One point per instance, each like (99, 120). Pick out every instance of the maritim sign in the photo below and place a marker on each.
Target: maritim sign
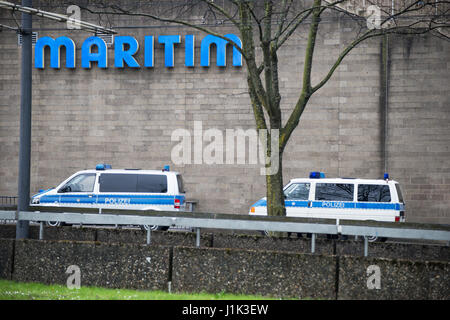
(126, 47)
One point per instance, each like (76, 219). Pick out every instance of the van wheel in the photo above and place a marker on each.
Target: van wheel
(145, 227)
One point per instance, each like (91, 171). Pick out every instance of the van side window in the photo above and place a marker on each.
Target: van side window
(334, 191)
(81, 183)
(373, 193)
(152, 183)
(118, 182)
(123, 182)
(298, 191)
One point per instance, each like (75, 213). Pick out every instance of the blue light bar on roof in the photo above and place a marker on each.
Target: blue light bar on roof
(166, 168)
(386, 176)
(103, 166)
(316, 175)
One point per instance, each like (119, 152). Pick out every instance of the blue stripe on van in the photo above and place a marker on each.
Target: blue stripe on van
(260, 203)
(336, 205)
(135, 199)
(49, 199)
(125, 199)
(296, 203)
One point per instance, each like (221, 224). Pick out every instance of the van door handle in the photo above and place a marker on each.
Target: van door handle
(309, 204)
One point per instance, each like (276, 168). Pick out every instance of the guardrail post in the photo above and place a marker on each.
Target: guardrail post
(197, 238)
(366, 246)
(313, 243)
(41, 230)
(149, 235)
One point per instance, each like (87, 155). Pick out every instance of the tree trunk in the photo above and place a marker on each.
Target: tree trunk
(275, 194)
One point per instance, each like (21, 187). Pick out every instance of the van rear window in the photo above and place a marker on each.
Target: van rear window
(180, 184)
(399, 193)
(334, 191)
(373, 193)
(142, 183)
(154, 183)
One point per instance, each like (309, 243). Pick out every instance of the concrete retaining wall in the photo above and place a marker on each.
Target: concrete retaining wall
(408, 251)
(6, 258)
(272, 273)
(105, 265)
(257, 242)
(157, 237)
(399, 279)
(215, 270)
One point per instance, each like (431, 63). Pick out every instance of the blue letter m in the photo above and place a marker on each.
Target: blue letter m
(55, 45)
(221, 46)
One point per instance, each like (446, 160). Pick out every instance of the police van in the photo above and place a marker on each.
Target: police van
(341, 198)
(107, 188)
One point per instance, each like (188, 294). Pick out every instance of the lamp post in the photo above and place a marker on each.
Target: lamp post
(25, 122)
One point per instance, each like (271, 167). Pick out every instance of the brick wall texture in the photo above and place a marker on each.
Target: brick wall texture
(126, 117)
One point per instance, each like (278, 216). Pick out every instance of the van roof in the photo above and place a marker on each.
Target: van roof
(130, 171)
(343, 180)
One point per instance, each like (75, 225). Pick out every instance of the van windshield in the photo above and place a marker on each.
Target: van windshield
(80, 183)
(299, 191)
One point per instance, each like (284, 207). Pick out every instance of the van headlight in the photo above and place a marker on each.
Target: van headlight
(35, 201)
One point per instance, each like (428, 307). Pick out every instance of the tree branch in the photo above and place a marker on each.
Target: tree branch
(168, 20)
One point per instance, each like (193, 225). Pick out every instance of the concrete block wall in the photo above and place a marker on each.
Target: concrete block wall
(6, 258)
(104, 265)
(253, 272)
(216, 270)
(126, 117)
(399, 279)
(409, 251)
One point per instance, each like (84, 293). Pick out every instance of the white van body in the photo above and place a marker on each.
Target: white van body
(341, 198)
(129, 189)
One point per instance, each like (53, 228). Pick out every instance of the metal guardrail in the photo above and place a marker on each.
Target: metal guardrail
(198, 221)
(8, 201)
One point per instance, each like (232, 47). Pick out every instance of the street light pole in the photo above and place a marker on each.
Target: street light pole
(25, 122)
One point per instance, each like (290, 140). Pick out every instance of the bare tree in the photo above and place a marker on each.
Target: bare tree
(268, 24)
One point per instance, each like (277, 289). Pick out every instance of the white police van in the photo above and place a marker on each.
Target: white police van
(107, 188)
(341, 198)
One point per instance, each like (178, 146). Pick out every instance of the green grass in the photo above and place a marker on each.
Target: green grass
(11, 290)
